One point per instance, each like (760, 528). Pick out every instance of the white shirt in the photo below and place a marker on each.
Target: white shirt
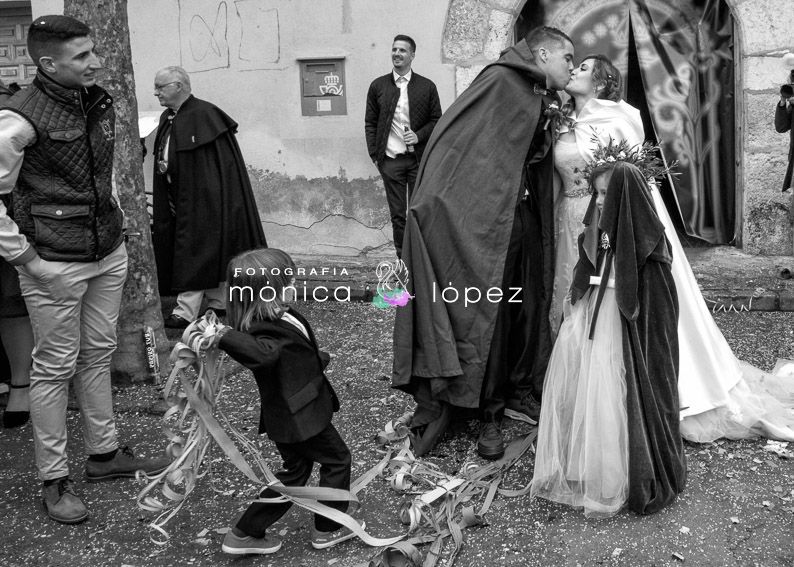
(16, 134)
(289, 318)
(402, 118)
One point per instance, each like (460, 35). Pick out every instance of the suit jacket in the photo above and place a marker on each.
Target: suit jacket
(297, 401)
(784, 122)
(424, 108)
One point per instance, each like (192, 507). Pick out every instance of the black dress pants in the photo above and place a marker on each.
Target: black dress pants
(399, 177)
(326, 448)
(517, 359)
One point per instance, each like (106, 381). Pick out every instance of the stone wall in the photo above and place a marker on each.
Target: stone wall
(765, 33)
(475, 33)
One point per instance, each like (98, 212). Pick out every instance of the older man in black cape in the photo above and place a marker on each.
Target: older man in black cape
(204, 208)
(479, 249)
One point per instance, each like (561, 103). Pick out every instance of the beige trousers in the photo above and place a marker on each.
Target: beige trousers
(73, 310)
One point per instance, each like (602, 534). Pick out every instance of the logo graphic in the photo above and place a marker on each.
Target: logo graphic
(332, 85)
(107, 129)
(392, 285)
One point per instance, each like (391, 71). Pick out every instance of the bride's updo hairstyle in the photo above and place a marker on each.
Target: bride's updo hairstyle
(606, 74)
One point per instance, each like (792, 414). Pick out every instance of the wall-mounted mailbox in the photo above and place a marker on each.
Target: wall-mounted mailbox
(323, 88)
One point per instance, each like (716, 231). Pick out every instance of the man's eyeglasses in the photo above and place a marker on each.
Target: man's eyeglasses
(158, 88)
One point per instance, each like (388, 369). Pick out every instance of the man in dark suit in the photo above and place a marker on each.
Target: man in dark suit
(784, 122)
(402, 110)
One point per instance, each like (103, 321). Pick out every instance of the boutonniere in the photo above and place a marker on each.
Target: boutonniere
(559, 120)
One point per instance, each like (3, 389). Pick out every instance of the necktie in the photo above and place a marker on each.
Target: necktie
(162, 158)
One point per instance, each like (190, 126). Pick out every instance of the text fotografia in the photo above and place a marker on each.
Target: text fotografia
(290, 272)
(473, 295)
(289, 293)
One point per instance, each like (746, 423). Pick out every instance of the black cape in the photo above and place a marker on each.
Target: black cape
(216, 214)
(648, 304)
(459, 222)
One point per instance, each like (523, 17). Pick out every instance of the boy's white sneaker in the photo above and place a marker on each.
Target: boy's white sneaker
(324, 540)
(248, 545)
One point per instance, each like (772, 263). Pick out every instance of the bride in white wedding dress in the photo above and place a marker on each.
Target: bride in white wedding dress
(720, 396)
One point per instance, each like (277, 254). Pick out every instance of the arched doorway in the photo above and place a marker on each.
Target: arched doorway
(678, 60)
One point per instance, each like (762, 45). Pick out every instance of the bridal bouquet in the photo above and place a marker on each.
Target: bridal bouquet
(647, 158)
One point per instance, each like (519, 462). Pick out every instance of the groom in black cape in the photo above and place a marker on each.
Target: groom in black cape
(479, 248)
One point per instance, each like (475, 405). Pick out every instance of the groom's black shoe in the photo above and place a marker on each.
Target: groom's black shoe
(525, 409)
(423, 439)
(490, 444)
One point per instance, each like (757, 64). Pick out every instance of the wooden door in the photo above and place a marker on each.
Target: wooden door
(16, 66)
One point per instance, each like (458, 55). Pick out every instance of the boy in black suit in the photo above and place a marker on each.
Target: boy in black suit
(297, 402)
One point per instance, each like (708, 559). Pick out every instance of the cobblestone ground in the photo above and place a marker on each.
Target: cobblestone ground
(737, 509)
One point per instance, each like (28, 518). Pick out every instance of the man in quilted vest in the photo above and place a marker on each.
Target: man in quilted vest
(402, 110)
(66, 242)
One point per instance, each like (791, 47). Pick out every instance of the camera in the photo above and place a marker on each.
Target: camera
(787, 89)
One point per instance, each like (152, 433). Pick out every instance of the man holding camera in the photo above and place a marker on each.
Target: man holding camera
(784, 122)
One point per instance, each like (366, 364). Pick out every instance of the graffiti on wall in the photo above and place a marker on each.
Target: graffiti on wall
(220, 34)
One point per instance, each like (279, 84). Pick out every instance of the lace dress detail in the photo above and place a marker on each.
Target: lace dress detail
(569, 210)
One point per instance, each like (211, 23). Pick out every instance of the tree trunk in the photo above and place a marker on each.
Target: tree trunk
(140, 306)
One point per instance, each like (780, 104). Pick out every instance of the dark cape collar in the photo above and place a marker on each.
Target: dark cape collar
(520, 58)
(197, 123)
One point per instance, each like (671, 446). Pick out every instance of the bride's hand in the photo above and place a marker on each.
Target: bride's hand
(566, 306)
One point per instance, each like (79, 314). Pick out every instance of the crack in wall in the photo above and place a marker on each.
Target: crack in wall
(343, 247)
(326, 217)
(386, 247)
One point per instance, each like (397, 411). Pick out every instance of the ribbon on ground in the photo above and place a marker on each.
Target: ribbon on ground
(461, 500)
